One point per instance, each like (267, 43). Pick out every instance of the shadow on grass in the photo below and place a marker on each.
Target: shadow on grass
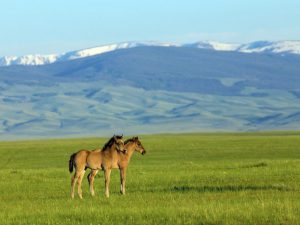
(230, 188)
(262, 164)
(255, 165)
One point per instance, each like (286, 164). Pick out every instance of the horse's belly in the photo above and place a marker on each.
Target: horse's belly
(94, 163)
(115, 166)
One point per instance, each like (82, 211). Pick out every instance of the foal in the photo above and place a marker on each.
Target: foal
(97, 159)
(131, 145)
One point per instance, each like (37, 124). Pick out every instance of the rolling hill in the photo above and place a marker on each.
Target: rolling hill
(151, 89)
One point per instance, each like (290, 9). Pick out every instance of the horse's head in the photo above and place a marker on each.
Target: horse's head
(138, 145)
(119, 143)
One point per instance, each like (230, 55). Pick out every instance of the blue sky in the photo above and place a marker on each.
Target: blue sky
(51, 26)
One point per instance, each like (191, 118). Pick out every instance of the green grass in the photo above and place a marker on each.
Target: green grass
(214, 178)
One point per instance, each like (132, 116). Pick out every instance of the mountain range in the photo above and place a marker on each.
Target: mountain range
(153, 88)
(253, 47)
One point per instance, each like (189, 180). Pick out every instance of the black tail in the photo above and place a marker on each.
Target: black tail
(71, 162)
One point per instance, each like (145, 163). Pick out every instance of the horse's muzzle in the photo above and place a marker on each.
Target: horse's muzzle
(143, 152)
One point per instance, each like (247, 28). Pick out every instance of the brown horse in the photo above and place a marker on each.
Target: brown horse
(97, 159)
(121, 163)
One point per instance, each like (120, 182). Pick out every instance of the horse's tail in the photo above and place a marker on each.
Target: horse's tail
(72, 162)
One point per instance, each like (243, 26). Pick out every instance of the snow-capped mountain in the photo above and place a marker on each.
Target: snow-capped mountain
(271, 47)
(289, 47)
(47, 59)
(292, 47)
(106, 48)
(148, 90)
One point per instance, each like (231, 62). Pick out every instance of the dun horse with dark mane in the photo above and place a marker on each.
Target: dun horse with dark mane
(105, 159)
(120, 162)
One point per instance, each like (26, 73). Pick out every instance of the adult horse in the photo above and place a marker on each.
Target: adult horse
(121, 163)
(97, 159)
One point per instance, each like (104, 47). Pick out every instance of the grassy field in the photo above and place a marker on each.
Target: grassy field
(247, 178)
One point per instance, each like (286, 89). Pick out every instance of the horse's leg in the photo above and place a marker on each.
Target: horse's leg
(73, 182)
(91, 178)
(107, 180)
(79, 181)
(123, 179)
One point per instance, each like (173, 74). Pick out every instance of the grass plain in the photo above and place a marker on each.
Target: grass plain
(201, 178)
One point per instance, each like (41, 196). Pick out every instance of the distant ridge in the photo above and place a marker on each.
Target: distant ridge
(151, 89)
(276, 47)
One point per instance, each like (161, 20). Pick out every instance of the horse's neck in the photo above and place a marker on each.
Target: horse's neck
(130, 149)
(111, 149)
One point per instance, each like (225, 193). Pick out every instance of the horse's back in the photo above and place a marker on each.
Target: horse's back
(94, 159)
(80, 157)
(82, 152)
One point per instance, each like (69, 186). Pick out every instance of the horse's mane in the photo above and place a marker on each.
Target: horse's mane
(130, 140)
(111, 142)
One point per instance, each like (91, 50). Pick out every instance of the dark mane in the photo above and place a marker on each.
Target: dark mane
(111, 142)
(130, 140)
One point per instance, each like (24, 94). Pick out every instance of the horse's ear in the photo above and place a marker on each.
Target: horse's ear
(136, 138)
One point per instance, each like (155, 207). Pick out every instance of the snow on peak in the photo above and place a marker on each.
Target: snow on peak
(253, 47)
(97, 50)
(47, 59)
(28, 60)
(271, 47)
(214, 45)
